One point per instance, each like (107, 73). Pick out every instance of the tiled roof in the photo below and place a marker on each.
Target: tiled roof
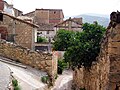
(46, 27)
(76, 20)
(50, 9)
(20, 19)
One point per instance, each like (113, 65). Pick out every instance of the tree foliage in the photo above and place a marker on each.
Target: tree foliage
(86, 46)
(62, 40)
(81, 48)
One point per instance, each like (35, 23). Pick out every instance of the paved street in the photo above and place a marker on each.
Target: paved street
(4, 76)
(30, 78)
(64, 81)
(27, 79)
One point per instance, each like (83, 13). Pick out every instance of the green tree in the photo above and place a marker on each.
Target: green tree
(86, 46)
(62, 40)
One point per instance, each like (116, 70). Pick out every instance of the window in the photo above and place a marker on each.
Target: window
(54, 12)
(39, 33)
(47, 32)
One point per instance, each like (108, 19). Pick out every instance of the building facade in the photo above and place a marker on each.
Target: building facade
(48, 16)
(73, 24)
(18, 31)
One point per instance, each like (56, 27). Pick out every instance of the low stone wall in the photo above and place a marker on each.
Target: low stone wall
(42, 61)
(114, 54)
(95, 78)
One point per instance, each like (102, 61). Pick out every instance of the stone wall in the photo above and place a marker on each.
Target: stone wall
(41, 16)
(42, 61)
(95, 78)
(114, 54)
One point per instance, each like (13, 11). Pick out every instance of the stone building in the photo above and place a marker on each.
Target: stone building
(17, 12)
(48, 16)
(74, 24)
(17, 30)
(46, 19)
(8, 8)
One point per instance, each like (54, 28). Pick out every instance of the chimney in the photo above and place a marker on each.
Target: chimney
(1, 5)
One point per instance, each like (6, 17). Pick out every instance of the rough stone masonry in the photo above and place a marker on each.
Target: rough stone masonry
(45, 62)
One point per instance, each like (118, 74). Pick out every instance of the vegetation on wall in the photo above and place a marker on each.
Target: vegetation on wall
(82, 47)
(41, 39)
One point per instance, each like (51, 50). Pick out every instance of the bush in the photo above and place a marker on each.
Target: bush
(85, 46)
(15, 84)
(45, 79)
(41, 39)
(17, 88)
(61, 66)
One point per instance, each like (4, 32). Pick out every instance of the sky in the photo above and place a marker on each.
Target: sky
(69, 7)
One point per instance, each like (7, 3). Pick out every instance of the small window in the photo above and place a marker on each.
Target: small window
(39, 33)
(47, 32)
(54, 12)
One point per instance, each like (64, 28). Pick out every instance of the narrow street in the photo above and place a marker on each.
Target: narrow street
(28, 78)
(64, 81)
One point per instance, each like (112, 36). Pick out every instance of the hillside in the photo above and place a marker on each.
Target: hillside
(90, 18)
(102, 20)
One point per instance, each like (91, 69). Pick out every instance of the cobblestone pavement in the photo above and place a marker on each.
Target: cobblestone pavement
(5, 76)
